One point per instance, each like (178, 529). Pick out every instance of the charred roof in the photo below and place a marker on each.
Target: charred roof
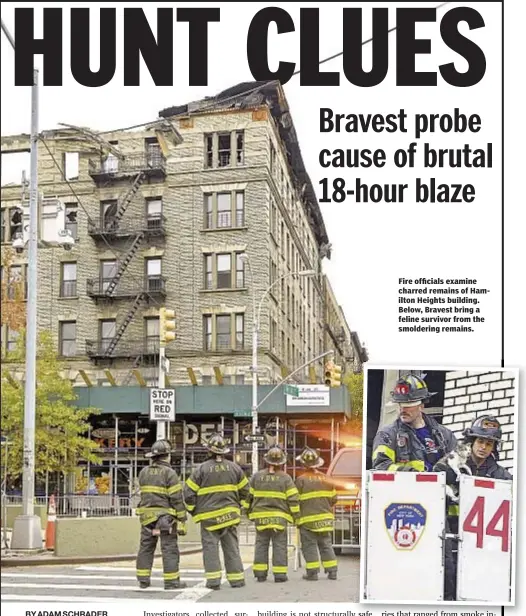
(254, 94)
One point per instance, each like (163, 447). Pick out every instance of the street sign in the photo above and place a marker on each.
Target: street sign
(162, 404)
(258, 438)
(291, 390)
(310, 395)
(244, 413)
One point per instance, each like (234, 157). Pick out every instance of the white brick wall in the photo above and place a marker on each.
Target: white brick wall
(469, 395)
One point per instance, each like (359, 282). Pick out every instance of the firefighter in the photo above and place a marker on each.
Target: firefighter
(162, 515)
(415, 441)
(485, 435)
(317, 498)
(214, 495)
(273, 502)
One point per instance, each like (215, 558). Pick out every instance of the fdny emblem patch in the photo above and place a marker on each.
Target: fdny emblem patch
(405, 523)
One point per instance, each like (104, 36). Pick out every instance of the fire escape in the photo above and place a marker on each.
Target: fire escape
(126, 234)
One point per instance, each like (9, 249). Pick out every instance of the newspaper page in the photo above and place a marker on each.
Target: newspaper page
(262, 308)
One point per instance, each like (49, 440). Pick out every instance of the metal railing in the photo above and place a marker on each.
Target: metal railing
(96, 287)
(83, 505)
(125, 348)
(132, 163)
(150, 225)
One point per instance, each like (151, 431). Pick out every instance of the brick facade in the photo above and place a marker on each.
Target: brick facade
(471, 394)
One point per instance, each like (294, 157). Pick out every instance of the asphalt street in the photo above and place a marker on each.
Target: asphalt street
(115, 581)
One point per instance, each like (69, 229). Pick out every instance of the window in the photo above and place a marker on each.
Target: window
(107, 332)
(273, 331)
(71, 219)
(153, 268)
(16, 283)
(224, 149)
(108, 213)
(68, 338)
(151, 333)
(68, 280)
(108, 270)
(70, 165)
(12, 339)
(219, 272)
(224, 271)
(154, 213)
(111, 164)
(224, 210)
(153, 151)
(223, 332)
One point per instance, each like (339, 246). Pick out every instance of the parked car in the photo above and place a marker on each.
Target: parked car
(345, 473)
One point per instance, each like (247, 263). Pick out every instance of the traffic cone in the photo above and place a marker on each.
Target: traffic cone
(50, 526)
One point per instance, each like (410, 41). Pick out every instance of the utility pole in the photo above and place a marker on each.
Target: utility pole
(166, 335)
(27, 534)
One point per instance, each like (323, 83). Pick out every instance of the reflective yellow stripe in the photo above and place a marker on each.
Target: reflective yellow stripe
(418, 465)
(295, 508)
(313, 565)
(390, 453)
(171, 576)
(318, 494)
(192, 485)
(325, 529)
(235, 576)
(329, 563)
(154, 490)
(316, 518)
(224, 524)
(270, 526)
(291, 491)
(190, 507)
(245, 504)
(174, 489)
(453, 510)
(267, 494)
(214, 489)
(214, 514)
(256, 515)
(260, 567)
(143, 572)
(213, 575)
(279, 569)
(242, 483)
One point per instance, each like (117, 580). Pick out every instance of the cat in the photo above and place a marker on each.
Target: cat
(457, 460)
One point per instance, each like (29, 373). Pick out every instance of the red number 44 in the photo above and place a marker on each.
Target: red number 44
(474, 523)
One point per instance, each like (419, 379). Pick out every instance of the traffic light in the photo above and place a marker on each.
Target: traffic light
(166, 325)
(333, 374)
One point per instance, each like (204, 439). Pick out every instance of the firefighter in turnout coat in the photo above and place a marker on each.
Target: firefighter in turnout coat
(214, 495)
(273, 503)
(317, 498)
(162, 515)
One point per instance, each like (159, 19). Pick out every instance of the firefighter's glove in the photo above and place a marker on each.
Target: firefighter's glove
(181, 528)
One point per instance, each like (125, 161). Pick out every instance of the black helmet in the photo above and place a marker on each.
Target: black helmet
(310, 458)
(411, 390)
(487, 427)
(275, 456)
(159, 449)
(217, 444)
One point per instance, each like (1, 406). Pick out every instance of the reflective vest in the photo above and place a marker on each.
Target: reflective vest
(317, 497)
(215, 492)
(273, 500)
(161, 493)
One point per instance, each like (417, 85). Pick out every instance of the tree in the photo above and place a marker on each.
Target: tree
(354, 383)
(12, 294)
(60, 427)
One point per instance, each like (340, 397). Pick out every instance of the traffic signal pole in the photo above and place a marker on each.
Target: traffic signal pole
(166, 334)
(162, 426)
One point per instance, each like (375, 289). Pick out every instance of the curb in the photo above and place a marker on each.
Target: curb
(35, 561)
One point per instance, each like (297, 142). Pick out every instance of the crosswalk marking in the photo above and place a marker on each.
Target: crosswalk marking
(58, 576)
(63, 599)
(6, 584)
(154, 570)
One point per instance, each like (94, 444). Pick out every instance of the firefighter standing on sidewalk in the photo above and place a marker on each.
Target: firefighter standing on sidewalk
(273, 503)
(162, 515)
(214, 495)
(317, 498)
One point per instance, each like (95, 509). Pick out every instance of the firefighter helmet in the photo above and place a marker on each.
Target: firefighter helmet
(275, 456)
(411, 390)
(487, 427)
(159, 449)
(310, 458)
(217, 444)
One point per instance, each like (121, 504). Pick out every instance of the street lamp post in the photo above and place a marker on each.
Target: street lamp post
(256, 322)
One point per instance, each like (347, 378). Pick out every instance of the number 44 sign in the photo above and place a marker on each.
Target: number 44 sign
(484, 551)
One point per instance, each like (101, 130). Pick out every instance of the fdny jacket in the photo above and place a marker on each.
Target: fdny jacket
(273, 500)
(215, 492)
(161, 493)
(489, 468)
(317, 498)
(396, 447)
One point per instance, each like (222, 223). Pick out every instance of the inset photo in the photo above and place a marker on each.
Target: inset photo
(439, 503)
